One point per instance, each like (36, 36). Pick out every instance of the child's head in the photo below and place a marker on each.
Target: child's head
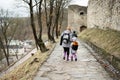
(74, 31)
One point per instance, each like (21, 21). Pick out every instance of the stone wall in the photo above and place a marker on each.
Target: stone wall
(104, 14)
(77, 17)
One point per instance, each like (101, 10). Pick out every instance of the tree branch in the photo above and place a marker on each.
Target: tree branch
(26, 1)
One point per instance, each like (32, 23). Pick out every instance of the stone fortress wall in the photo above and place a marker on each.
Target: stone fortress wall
(99, 13)
(104, 14)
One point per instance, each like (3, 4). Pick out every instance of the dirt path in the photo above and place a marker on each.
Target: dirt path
(86, 68)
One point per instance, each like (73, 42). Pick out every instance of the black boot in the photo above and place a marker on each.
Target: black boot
(76, 59)
(67, 58)
(71, 58)
(63, 58)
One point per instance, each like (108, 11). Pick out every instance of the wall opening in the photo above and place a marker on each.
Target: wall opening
(82, 28)
(81, 13)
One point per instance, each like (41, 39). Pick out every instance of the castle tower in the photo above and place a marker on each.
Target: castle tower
(77, 17)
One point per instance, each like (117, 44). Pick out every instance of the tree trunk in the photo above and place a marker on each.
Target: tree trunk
(42, 46)
(49, 20)
(57, 15)
(61, 20)
(3, 48)
(40, 41)
(32, 23)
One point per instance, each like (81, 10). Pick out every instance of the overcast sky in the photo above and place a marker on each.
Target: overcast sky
(11, 6)
(80, 2)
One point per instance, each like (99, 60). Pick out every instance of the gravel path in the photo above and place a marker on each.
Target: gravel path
(86, 68)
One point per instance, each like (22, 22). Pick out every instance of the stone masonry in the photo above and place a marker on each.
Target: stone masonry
(104, 14)
(77, 17)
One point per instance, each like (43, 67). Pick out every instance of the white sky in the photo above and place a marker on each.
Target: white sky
(11, 6)
(80, 2)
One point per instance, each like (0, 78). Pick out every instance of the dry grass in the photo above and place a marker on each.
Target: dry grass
(27, 70)
(109, 40)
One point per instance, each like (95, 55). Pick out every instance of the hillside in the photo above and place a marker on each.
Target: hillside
(106, 39)
(28, 69)
(107, 43)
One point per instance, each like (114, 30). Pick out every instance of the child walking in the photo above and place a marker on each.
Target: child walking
(74, 48)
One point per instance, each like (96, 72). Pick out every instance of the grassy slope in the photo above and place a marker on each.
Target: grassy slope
(109, 40)
(26, 71)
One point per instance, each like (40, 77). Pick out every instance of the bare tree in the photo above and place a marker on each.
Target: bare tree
(23, 29)
(63, 6)
(58, 5)
(53, 13)
(54, 10)
(49, 7)
(39, 16)
(5, 34)
(1, 53)
(38, 39)
(59, 11)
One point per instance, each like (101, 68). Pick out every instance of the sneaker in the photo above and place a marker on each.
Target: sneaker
(63, 58)
(76, 59)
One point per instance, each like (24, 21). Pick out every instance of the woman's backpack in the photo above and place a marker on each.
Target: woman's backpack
(66, 38)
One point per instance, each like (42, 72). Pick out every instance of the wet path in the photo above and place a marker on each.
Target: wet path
(86, 68)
